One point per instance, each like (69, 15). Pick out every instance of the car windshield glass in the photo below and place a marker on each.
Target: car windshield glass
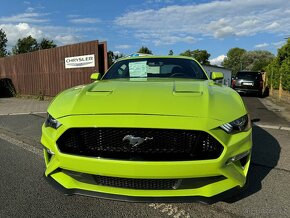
(156, 67)
(247, 75)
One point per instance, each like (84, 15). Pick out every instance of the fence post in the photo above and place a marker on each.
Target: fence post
(271, 86)
(280, 86)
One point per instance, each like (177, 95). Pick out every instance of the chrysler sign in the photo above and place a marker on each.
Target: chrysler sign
(80, 61)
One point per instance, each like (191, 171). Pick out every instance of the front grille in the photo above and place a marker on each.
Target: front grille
(160, 145)
(145, 184)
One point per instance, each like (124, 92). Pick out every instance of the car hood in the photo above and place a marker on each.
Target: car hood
(171, 97)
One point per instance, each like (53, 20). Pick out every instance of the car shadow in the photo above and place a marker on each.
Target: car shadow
(265, 156)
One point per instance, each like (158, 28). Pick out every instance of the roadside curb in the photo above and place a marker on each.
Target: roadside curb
(28, 113)
(272, 127)
(281, 111)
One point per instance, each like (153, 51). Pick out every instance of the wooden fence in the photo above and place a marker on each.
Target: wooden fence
(43, 72)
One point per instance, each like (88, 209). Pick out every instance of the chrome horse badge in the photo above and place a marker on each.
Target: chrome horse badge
(135, 141)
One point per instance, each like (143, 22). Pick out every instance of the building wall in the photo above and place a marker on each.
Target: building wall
(43, 72)
(227, 73)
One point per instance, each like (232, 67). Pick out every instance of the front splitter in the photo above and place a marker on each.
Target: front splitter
(186, 199)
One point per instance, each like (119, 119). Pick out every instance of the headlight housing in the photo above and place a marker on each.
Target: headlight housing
(241, 124)
(52, 122)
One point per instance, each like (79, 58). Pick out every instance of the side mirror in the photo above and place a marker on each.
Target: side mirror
(96, 76)
(217, 75)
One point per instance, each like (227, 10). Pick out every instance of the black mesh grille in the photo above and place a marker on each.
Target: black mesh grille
(146, 184)
(160, 145)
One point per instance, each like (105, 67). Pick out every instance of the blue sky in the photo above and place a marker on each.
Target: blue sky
(160, 25)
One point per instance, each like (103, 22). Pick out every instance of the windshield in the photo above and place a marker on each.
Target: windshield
(156, 67)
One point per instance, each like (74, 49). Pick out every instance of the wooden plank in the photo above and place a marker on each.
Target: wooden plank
(43, 71)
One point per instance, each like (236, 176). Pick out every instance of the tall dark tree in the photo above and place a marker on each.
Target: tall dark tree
(3, 43)
(279, 68)
(257, 60)
(201, 56)
(187, 53)
(112, 57)
(46, 44)
(170, 52)
(234, 60)
(144, 50)
(24, 45)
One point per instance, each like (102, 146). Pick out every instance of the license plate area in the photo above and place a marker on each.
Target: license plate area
(248, 84)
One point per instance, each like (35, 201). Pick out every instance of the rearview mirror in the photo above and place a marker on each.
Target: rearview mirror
(96, 76)
(217, 75)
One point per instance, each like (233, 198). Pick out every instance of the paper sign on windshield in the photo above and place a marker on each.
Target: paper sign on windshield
(138, 69)
(153, 70)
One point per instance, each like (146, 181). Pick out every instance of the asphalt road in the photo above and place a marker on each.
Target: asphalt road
(25, 193)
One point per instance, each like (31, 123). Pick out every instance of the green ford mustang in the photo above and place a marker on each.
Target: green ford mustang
(153, 127)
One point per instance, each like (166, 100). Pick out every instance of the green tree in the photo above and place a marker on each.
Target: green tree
(24, 45)
(284, 52)
(144, 50)
(170, 52)
(112, 57)
(187, 53)
(46, 44)
(3, 43)
(201, 56)
(280, 67)
(234, 60)
(257, 60)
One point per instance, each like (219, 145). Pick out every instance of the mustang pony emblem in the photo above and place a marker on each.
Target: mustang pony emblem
(135, 141)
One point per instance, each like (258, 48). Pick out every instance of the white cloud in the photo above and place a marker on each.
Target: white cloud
(169, 40)
(85, 20)
(123, 46)
(117, 53)
(29, 9)
(38, 26)
(14, 32)
(73, 16)
(66, 39)
(262, 45)
(278, 44)
(27, 17)
(60, 35)
(218, 60)
(159, 1)
(218, 19)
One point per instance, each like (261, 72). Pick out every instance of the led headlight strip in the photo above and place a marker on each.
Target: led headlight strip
(238, 125)
(52, 122)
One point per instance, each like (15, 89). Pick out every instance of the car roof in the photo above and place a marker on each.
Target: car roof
(154, 56)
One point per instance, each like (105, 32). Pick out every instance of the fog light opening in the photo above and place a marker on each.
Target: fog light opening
(244, 161)
(50, 151)
(240, 157)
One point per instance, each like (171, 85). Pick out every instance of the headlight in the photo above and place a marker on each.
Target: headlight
(238, 125)
(51, 122)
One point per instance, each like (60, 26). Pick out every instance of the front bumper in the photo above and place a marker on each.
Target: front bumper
(206, 200)
(235, 174)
